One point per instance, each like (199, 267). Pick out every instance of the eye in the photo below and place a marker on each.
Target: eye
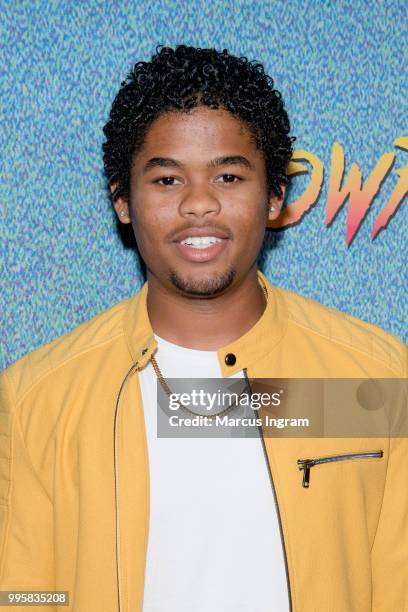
(167, 181)
(228, 178)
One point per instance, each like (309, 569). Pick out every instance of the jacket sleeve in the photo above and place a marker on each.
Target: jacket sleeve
(390, 548)
(26, 510)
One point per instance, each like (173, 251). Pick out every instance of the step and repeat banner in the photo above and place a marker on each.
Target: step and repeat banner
(342, 238)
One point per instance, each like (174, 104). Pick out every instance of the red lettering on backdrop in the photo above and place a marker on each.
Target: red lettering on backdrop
(361, 195)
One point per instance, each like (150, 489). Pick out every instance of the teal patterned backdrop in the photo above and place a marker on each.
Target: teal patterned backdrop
(340, 68)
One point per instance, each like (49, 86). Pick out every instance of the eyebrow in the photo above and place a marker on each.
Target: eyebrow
(227, 160)
(162, 162)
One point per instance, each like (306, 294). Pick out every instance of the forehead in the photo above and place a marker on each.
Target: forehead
(198, 133)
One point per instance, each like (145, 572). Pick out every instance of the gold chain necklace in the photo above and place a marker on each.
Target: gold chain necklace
(168, 391)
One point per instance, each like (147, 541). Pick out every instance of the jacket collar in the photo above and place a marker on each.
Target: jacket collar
(252, 346)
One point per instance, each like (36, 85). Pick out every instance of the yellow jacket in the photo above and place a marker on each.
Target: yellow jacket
(74, 476)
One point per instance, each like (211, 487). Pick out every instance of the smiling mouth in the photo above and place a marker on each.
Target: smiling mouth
(201, 242)
(200, 249)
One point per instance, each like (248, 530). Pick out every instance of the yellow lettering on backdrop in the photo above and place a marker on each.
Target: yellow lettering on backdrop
(295, 212)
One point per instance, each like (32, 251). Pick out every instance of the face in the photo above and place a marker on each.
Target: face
(198, 201)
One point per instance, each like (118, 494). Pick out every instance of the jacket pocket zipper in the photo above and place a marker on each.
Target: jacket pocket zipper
(306, 464)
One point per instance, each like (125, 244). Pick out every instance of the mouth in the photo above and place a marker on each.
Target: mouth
(201, 248)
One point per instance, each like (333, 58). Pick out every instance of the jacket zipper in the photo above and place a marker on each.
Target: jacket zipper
(261, 435)
(115, 454)
(306, 464)
(115, 446)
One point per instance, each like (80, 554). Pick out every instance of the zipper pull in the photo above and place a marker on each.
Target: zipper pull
(305, 465)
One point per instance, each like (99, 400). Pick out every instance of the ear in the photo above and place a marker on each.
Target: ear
(275, 204)
(120, 205)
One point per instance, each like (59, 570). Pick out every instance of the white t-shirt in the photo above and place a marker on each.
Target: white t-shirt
(214, 542)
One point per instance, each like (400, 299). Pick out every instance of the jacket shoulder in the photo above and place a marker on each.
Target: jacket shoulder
(100, 330)
(344, 329)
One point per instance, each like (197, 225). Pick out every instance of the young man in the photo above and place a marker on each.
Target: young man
(92, 500)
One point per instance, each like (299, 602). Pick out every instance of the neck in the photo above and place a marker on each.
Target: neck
(205, 323)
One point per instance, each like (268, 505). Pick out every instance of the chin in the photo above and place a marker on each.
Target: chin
(205, 286)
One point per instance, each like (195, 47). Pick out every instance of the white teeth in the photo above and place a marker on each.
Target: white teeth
(201, 242)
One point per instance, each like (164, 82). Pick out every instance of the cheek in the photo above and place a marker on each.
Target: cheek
(251, 220)
(150, 227)
(151, 211)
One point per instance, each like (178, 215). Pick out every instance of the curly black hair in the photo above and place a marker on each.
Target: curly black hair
(186, 77)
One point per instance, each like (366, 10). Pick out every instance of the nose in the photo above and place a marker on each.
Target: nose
(199, 201)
